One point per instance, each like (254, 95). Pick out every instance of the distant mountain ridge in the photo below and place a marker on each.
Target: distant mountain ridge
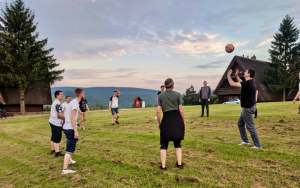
(102, 95)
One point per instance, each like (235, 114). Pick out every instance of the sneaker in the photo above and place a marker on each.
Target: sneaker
(254, 147)
(58, 154)
(68, 171)
(113, 124)
(72, 162)
(155, 117)
(78, 125)
(162, 169)
(117, 122)
(83, 128)
(244, 143)
(179, 166)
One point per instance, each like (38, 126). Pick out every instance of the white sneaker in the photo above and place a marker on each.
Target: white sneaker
(254, 147)
(155, 117)
(68, 171)
(244, 144)
(72, 162)
(83, 128)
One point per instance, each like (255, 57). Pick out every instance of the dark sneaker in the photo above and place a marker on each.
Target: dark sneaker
(117, 122)
(162, 169)
(113, 124)
(58, 154)
(52, 152)
(255, 117)
(179, 166)
(78, 125)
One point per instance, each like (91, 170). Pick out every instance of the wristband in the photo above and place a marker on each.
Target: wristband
(236, 76)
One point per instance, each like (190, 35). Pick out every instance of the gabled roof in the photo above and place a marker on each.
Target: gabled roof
(264, 93)
(137, 98)
(33, 96)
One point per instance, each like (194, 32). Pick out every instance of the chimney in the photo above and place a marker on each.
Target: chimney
(253, 57)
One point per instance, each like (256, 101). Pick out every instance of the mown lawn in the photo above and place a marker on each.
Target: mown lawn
(127, 155)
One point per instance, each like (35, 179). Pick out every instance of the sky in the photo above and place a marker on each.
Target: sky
(141, 43)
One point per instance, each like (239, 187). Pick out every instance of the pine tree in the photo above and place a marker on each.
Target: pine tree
(284, 56)
(23, 60)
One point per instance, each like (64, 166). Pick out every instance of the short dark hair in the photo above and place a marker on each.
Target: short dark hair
(251, 72)
(115, 90)
(57, 93)
(162, 86)
(67, 97)
(77, 92)
(169, 83)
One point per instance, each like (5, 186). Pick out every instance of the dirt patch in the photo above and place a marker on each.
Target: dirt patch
(221, 185)
(9, 173)
(149, 146)
(189, 178)
(224, 178)
(117, 161)
(77, 179)
(119, 179)
(125, 181)
(282, 121)
(210, 150)
(7, 184)
(87, 169)
(257, 185)
(237, 183)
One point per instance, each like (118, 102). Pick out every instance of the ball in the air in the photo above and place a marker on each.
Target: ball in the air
(229, 48)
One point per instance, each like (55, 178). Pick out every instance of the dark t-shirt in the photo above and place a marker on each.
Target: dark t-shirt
(248, 93)
(159, 92)
(82, 105)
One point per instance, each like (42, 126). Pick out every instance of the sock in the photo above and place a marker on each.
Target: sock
(65, 169)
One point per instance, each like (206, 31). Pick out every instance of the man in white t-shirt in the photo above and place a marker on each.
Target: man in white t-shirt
(65, 104)
(70, 128)
(298, 94)
(114, 107)
(56, 122)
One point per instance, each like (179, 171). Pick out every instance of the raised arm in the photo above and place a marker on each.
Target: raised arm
(119, 94)
(237, 75)
(231, 82)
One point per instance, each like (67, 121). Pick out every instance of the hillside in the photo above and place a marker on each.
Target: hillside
(102, 95)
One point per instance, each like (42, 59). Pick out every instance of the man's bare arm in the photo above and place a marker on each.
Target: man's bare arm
(73, 122)
(297, 97)
(119, 94)
(158, 115)
(87, 107)
(181, 112)
(231, 82)
(61, 116)
(109, 105)
(256, 96)
(237, 75)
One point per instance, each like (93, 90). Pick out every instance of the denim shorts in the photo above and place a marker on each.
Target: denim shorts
(71, 141)
(113, 110)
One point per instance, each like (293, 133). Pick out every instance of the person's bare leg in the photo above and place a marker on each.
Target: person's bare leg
(163, 157)
(112, 118)
(82, 124)
(66, 161)
(178, 155)
(52, 145)
(56, 147)
(117, 117)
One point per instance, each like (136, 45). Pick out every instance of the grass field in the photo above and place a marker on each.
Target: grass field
(127, 155)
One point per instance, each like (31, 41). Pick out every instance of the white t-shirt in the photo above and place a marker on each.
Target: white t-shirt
(55, 109)
(64, 107)
(114, 101)
(73, 105)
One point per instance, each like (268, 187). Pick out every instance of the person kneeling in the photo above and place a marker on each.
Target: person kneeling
(172, 126)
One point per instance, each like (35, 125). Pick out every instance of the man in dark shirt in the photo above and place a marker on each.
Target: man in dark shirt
(204, 97)
(162, 89)
(248, 104)
(83, 105)
(3, 112)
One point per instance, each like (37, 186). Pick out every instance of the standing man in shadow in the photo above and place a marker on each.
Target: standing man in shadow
(204, 97)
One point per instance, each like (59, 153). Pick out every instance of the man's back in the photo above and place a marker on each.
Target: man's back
(169, 100)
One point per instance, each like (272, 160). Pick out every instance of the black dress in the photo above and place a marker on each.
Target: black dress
(172, 127)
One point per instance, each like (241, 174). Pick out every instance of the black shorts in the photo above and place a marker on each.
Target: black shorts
(164, 145)
(56, 133)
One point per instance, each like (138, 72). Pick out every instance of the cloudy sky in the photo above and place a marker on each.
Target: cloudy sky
(140, 43)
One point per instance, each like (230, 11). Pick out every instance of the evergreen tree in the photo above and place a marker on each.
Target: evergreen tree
(284, 56)
(189, 95)
(23, 60)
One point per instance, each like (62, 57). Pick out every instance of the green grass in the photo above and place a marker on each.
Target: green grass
(127, 155)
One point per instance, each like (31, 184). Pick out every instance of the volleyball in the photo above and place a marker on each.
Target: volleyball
(229, 48)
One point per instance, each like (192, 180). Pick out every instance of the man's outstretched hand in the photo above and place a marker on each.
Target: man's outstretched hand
(236, 72)
(229, 72)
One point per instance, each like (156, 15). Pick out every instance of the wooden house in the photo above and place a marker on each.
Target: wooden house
(226, 92)
(35, 98)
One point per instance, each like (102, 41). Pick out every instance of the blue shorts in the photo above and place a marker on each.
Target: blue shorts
(71, 141)
(113, 110)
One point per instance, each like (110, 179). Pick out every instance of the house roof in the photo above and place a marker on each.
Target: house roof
(137, 98)
(264, 93)
(33, 96)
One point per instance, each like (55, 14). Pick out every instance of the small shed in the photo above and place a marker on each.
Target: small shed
(137, 100)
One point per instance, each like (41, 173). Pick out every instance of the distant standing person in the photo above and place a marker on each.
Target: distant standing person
(56, 122)
(70, 129)
(162, 89)
(248, 104)
(298, 94)
(114, 106)
(172, 126)
(83, 105)
(204, 98)
(65, 104)
(3, 113)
